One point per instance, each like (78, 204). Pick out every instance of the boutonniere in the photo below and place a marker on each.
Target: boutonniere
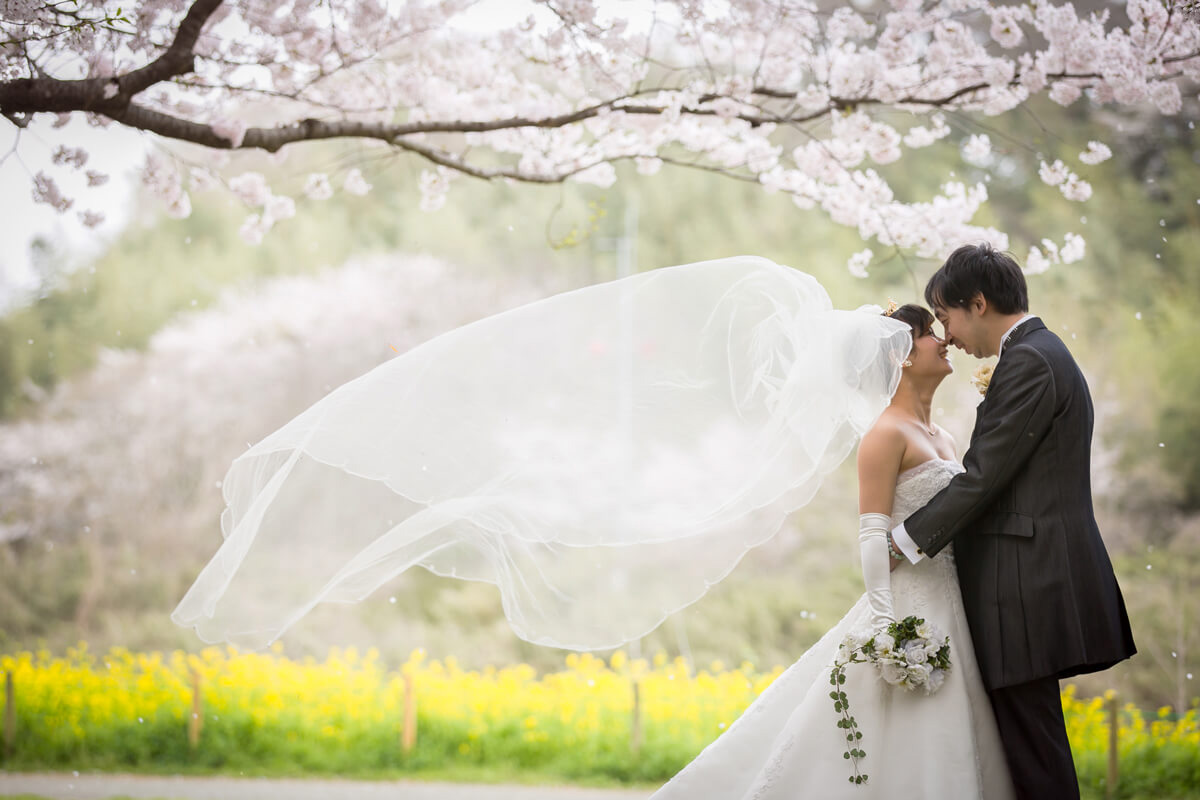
(982, 377)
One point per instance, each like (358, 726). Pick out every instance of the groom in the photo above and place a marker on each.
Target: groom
(1038, 588)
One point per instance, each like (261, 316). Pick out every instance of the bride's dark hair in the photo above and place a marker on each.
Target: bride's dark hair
(919, 318)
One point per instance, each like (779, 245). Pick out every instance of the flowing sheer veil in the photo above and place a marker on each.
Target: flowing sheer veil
(603, 456)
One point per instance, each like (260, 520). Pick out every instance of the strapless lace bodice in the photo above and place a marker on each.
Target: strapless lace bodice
(923, 590)
(915, 487)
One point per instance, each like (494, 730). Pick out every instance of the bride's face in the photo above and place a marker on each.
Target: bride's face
(930, 355)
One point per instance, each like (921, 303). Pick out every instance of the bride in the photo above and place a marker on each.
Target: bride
(945, 745)
(606, 455)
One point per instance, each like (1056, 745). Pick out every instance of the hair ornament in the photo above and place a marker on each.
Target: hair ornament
(891, 307)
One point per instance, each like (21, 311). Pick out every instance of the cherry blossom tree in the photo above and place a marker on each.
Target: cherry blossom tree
(785, 93)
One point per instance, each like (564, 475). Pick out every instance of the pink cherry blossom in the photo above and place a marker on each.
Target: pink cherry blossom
(74, 156)
(434, 186)
(1077, 189)
(279, 207)
(317, 187)
(355, 183)
(202, 180)
(91, 219)
(920, 136)
(161, 177)
(648, 166)
(180, 207)
(1036, 262)
(254, 229)
(1073, 248)
(1167, 97)
(1096, 153)
(977, 149)
(1053, 174)
(1064, 93)
(1006, 28)
(46, 191)
(251, 188)
(857, 265)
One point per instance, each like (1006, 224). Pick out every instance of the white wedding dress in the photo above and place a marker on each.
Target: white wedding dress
(918, 747)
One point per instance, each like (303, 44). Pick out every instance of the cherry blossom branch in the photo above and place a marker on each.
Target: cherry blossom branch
(25, 96)
(294, 96)
(108, 96)
(568, 94)
(180, 56)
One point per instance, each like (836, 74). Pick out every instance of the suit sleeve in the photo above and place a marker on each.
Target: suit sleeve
(1017, 418)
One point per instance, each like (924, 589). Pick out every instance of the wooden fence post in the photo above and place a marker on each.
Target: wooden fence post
(1110, 785)
(637, 718)
(196, 723)
(10, 714)
(409, 737)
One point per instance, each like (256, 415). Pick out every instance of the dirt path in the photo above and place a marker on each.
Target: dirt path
(67, 786)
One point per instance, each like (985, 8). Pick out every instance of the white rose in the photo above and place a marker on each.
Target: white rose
(884, 643)
(935, 681)
(892, 672)
(919, 673)
(914, 653)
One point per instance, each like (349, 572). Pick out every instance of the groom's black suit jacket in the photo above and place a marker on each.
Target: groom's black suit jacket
(1037, 585)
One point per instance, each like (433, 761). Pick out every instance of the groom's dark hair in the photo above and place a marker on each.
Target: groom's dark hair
(979, 269)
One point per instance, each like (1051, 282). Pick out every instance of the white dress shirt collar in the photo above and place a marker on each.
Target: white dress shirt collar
(1008, 333)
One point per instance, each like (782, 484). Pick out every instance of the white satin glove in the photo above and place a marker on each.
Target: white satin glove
(876, 567)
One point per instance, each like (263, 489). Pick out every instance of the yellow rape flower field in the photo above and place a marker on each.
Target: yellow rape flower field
(263, 713)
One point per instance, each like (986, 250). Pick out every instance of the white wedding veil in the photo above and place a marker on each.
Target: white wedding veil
(602, 456)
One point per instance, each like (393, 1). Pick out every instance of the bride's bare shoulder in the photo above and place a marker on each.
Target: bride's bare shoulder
(887, 426)
(883, 445)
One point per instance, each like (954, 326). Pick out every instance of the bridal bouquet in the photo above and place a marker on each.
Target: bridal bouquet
(911, 653)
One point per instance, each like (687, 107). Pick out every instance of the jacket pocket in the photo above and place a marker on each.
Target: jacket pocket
(1007, 523)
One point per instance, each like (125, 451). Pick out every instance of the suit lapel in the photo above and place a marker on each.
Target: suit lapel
(1022, 330)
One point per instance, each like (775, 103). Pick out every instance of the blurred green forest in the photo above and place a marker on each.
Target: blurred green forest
(1128, 311)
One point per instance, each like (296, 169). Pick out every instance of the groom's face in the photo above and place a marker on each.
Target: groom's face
(964, 329)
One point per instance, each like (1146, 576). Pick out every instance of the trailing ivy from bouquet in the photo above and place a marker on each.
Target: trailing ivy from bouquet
(911, 654)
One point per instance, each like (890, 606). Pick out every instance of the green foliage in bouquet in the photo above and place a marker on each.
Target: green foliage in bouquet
(910, 653)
